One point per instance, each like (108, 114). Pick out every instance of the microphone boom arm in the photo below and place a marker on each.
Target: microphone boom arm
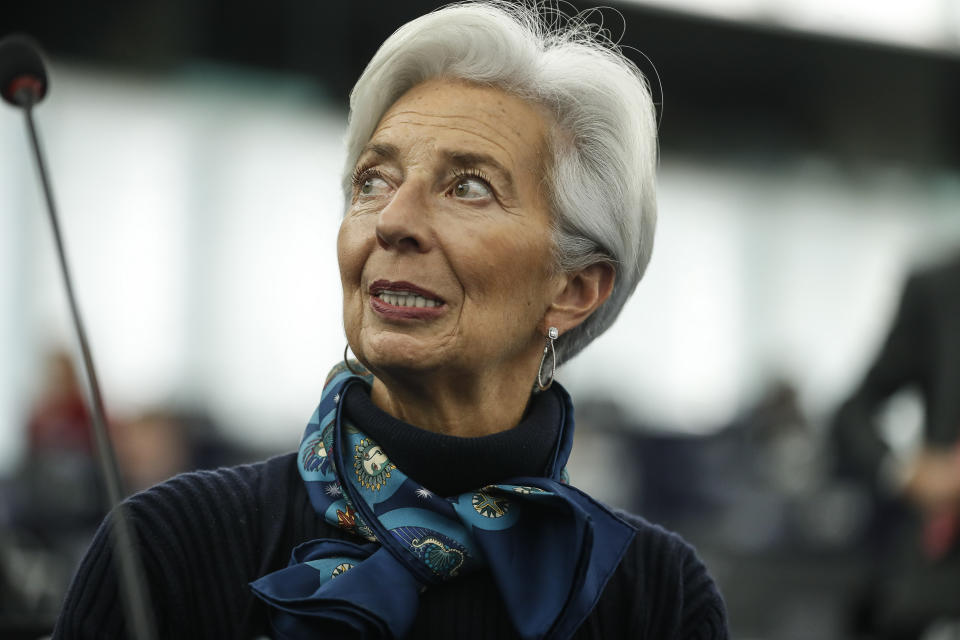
(132, 585)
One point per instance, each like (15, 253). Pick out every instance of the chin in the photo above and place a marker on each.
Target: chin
(399, 354)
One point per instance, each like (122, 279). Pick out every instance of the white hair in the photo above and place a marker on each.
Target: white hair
(602, 144)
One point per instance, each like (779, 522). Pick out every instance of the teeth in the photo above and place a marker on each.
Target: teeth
(406, 299)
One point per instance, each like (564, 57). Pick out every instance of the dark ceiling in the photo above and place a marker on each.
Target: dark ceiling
(729, 89)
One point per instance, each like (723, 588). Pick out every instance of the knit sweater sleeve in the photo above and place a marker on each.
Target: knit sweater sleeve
(671, 595)
(704, 615)
(196, 537)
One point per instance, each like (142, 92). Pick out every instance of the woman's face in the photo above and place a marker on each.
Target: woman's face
(445, 251)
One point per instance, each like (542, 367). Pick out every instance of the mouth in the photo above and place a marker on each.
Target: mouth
(404, 295)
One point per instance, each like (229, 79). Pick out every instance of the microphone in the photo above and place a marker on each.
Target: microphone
(23, 78)
(23, 83)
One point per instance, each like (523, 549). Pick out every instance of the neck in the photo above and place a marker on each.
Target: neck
(467, 407)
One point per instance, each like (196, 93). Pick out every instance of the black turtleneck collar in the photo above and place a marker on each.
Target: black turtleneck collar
(448, 465)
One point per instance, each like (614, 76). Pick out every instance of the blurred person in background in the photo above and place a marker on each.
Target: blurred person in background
(59, 498)
(51, 504)
(920, 565)
(500, 209)
(162, 442)
(151, 448)
(59, 420)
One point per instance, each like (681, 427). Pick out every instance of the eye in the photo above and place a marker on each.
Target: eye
(373, 186)
(369, 182)
(471, 187)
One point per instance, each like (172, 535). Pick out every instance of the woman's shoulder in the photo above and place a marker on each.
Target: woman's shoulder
(663, 574)
(655, 540)
(200, 537)
(276, 469)
(240, 483)
(217, 496)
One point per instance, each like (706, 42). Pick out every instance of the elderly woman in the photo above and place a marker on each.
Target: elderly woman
(499, 211)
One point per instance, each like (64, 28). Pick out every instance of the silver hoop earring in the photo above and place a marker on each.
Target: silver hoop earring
(552, 334)
(346, 362)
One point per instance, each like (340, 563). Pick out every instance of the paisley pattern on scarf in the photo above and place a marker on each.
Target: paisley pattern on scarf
(418, 540)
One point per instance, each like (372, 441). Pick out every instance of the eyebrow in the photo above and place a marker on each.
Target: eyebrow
(385, 151)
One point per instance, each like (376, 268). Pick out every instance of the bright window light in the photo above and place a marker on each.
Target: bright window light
(930, 24)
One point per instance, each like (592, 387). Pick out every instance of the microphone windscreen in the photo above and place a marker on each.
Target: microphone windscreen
(21, 67)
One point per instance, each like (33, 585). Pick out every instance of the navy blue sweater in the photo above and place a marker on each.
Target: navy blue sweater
(203, 536)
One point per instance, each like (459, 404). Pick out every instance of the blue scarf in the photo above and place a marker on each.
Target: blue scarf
(550, 547)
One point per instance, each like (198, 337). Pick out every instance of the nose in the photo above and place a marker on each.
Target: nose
(403, 224)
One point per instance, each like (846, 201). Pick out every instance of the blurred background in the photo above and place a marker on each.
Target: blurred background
(810, 161)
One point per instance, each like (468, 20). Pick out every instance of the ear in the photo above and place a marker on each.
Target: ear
(582, 294)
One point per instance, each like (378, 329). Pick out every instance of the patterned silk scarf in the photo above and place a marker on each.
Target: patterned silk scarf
(550, 547)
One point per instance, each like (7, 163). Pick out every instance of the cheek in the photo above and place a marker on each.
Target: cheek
(350, 256)
(512, 269)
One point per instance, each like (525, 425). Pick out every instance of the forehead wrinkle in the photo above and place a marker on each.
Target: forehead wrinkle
(452, 128)
(496, 131)
(502, 119)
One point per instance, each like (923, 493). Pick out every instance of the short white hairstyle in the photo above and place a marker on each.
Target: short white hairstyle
(602, 145)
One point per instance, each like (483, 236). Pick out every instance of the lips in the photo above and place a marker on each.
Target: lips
(404, 294)
(404, 300)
